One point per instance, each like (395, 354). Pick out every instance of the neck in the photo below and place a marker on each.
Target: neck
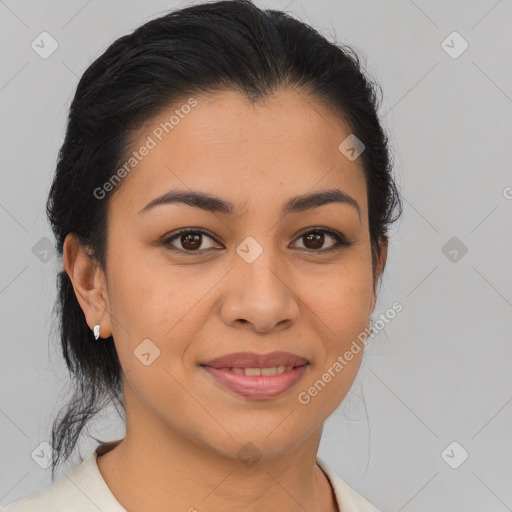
(155, 471)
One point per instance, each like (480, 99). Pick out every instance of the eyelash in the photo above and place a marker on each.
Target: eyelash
(340, 240)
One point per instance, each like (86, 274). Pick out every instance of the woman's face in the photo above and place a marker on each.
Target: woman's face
(254, 279)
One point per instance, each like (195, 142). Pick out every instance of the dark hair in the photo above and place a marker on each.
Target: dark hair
(206, 47)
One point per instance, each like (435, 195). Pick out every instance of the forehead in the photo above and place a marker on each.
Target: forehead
(248, 153)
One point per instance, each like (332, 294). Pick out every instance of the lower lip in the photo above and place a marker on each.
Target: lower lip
(258, 386)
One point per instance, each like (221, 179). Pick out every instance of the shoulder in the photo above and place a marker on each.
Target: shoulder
(53, 498)
(78, 491)
(348, 499)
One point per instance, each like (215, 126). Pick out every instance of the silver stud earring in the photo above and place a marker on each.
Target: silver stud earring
(96, 331)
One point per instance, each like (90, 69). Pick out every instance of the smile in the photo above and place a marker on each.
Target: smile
(258, 383)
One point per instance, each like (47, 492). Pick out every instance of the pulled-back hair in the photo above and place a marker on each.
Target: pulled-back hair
(207, 47)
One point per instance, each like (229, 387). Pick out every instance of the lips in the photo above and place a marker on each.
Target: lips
(257, 376)
(258, 387)
(253, 360)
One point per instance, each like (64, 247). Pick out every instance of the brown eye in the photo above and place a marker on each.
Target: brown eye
(189, 240)
(193, 240)
(315, 239)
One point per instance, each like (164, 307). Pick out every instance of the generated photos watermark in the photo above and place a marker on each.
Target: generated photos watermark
(305, 397)
(158, 133)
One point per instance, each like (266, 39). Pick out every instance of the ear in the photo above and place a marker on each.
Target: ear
(89, 284)
(379, 268)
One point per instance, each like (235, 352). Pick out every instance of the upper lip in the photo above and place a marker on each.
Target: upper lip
(253, 360)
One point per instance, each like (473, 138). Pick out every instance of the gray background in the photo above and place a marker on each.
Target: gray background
(440, 371)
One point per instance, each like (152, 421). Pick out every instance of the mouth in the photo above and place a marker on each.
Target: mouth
(257, 376)
(254, 360)
(253, 372)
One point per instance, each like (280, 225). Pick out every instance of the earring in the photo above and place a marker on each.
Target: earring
(96, 331)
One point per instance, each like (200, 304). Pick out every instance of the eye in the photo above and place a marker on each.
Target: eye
(191, 240)
(315, 238)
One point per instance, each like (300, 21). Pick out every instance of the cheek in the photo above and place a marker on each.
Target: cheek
(140, 289)
(340, 298)
(155, 300)
(339, 309)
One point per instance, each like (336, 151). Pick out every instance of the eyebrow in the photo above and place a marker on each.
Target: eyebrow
(214, 204)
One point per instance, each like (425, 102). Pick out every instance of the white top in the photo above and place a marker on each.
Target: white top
(85, 490)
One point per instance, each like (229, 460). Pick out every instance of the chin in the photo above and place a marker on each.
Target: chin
(255, 442)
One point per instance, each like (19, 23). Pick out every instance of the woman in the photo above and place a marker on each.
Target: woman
(221, 204)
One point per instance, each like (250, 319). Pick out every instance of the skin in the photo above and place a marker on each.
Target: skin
(183, 430)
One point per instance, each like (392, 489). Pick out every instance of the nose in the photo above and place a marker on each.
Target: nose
(260, 295)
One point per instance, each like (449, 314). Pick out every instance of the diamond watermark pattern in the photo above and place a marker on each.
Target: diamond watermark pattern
(454, 249)
(454, 455)
(44, 250)
(249, 249)
(146, 352)
(42, 455)
(454, 45)
(351, 147)
(44, 45)
(249, 454)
